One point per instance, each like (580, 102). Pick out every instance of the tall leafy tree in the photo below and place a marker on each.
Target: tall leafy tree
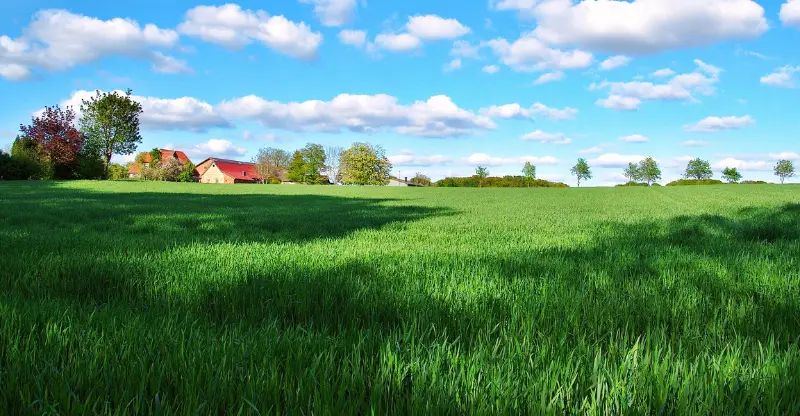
(784, 169)
(731, 175)
(297, 168)
(333, 155)
(529, 172)
(314, 157)
(698, 169)
(58, 143)
(649, 171)
(632, 172)
(421, 179)
(581, 171)
(481, 172)
(364, 164)
(271, 163)
(111, 124)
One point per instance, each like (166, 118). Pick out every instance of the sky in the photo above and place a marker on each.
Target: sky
(443, 86)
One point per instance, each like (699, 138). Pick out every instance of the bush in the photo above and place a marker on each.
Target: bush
(274, 181)
(633, 184)
(497, 182)
(754, 183)
(23, 165)
(117, 172)
(693, 182)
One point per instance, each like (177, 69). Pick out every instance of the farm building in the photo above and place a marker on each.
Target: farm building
(166, 154)
(401, 182)
(214, 170)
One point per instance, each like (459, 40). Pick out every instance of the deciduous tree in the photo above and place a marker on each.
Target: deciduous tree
(482, 173)
(529, 172)
(333, 156)
(698, 169)
(57, 141)
(364, 164)
(271, 163)
(581, 171)
(297, 168)
(111, 124)
(649, 171)
(784, 169)
(632, 172)
(731, 175)
(421, 179)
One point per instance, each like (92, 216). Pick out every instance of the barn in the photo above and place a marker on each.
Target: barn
(215, 170)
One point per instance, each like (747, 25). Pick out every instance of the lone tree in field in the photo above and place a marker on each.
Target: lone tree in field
(731, 175)
(110, 122)
(529, 172)
(649, 171)
(581, 170)
(482, 173)
(784, 169)
(364, 164)
(271, 163)
(333, 155)
(698, 169)
(632, 172)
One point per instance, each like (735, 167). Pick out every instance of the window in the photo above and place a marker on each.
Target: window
(244, 173)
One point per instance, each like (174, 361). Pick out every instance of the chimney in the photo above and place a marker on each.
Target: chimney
(406, 179)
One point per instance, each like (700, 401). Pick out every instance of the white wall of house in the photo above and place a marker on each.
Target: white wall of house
(213, 175)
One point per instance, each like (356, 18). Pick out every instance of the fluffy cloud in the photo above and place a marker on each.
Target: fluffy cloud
(232, 27)
(613, 160)
(629, 95)
(743, 164)
(591, 151)
(638, 27)
(516, 111)
(465, 49)
(57, 40)
(663, 73)
(784, 155)
(529, 54)
(552, 138)
(549, 77)
(453, 65)
(782, 77)
(333, 12)
(394, 42)
(408, 158)
(433, 27)
(634, 138)
(353, 37)
(484, 159)
(614, 62)
(214, 147)
(714, 124)
(184, 113)
(436, 117)
(790, 13)
(491, 69)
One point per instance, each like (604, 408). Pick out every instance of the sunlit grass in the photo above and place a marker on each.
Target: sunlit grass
(188, 298)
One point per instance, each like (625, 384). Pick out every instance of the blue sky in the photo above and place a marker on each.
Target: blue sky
(442, 85)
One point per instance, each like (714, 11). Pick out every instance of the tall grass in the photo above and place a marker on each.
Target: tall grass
(183, 298)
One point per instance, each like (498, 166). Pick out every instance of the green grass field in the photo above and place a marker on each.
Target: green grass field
(186, 298)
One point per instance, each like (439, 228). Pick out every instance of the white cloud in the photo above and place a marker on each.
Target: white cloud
(333, 12)
(184, 113)
(641, 27)
(714, 124)
(663, 73)
(491, 69)
(464, 49)
(634, 138)
(516, 111)
(394, 42)
(433, 27)
(453, 65)
(742, 164)
(353, 37)
(408, 158)
(215, 147)
(694, 143)
(484, 159)
(784, 155)
(614, 62)
(591, 151)
(782, 77)
(552, 138)
(613, 160)
(232, 27)
(58, 40)
(529, 53)
(436, 117)
(549, 77)
(619, 102)
(790, 13)
(169, 65)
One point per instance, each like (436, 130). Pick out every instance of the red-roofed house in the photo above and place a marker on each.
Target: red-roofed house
(166, 154)
(213, 170)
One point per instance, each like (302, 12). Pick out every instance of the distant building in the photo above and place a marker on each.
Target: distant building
(403, 182)
(214, 170)
(134, 170)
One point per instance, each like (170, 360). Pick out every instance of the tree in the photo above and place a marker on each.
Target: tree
(333, 156)
(111, 124)
(481, 172)
(364, 164)
(117, 172)
(698, 169)
(731, 175)
(57, 141)
(632, 172)
(421, 179)
(529, 172)
(271, 163)
(187, 173)
(297, 168)
(649, 171)
(784, 169)
(171, 169)
(314, 157)
(581, 170)
(155, 157)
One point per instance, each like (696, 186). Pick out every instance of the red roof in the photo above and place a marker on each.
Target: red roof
(166, 154)
(241, 171)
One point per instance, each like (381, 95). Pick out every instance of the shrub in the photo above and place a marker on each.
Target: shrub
(693, 182)
(633, 184)
(497, 182)
(274, 181)
(754, 183)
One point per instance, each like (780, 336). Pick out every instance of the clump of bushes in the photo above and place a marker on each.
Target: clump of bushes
(498, 182)
(274, 181)
(754, 183)
(634, 184)
(693, 182)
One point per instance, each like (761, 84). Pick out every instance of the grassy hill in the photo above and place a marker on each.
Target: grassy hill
(190, 298)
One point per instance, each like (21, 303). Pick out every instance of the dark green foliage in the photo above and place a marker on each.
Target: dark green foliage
(731, 175)
(754, 183)
(497, 182)
(187, 173)
(693, 182)
(698, 169)
(307, 164)
(89, 166)
(634, 184)
(117, 172)
(297, 168)
(155, 157)
(110, 122)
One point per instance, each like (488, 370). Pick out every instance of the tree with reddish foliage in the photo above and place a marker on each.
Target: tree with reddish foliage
(57, 140)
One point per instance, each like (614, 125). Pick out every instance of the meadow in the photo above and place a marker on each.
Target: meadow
(167, 298)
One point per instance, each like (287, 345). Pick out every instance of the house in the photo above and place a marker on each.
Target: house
(214, 170)
(134, 170)
(404, 182)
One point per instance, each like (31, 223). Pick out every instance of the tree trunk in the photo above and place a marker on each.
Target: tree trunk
(108, 161)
